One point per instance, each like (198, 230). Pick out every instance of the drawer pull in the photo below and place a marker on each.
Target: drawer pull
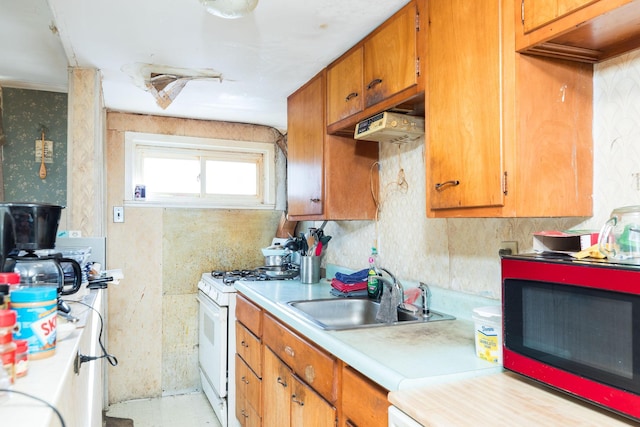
(351, 96)
(299, 402)
(289, 351)
(244, 380)
(244, 344)
(374, 83)
(453, 183)
(281, 382)
(244, 414)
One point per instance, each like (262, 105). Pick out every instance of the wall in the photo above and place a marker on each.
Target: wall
(25, 112)
(461, 254)
(153, 312)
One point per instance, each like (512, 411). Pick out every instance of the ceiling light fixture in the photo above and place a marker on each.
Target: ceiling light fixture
(229, 9)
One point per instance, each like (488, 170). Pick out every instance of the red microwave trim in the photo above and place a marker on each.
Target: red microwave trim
(609, 397)
(603, 276)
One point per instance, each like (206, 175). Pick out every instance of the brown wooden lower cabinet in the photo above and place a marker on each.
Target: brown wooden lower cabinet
(364, 403)
(284, 380)
(290, 402)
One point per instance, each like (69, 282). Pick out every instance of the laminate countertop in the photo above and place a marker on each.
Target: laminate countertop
(396, 357)
(500, 400)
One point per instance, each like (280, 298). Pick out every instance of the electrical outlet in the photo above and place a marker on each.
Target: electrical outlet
(118, 214)
(508, 248)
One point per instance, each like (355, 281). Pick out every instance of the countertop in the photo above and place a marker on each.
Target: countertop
(46, 376)
(500, 400)
(396, 357)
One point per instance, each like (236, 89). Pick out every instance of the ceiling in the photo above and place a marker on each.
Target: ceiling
(262, 58)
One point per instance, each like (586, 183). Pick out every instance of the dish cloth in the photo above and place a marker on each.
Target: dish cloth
(388, 310)
(350, 294)
(348, 287)
(356, 277)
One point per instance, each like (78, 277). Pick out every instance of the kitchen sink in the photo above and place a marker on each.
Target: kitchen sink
(352, 313)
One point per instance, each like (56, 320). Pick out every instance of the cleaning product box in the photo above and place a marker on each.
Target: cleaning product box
(488, 333)
(564, 241)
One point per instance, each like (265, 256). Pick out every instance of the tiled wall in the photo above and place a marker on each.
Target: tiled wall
(461, 254)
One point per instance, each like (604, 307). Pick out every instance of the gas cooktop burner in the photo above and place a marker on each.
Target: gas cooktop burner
(255, 275)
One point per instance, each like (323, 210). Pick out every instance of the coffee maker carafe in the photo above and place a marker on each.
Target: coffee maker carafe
(29, 227)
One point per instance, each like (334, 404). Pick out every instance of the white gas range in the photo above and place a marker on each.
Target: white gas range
(217, 338)
(217, 346)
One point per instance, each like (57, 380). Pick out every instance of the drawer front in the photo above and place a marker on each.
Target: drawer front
(248, 385)
(248, 348)
(364, 403)
(314, 366)
(249, 314)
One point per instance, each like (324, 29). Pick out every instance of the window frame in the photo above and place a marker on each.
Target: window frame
(207, 149)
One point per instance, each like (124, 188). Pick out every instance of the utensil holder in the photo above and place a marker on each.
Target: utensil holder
(309, 269)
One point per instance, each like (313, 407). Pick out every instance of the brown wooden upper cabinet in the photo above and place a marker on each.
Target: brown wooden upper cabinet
(328, 176)
(508, 134)
(380, 72)
(578, 30)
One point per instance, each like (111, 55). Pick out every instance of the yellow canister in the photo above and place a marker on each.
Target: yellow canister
(37, 313)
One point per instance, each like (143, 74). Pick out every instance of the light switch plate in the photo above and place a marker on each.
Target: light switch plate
(118, 214)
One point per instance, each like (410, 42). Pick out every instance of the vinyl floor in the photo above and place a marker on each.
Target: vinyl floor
(187, 410)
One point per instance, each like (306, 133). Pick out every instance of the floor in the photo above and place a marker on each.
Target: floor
(187, 410)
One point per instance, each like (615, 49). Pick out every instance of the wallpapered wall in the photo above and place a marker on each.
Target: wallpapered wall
(25, 112)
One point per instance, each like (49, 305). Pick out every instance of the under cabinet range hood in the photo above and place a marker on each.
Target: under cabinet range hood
(390, 127)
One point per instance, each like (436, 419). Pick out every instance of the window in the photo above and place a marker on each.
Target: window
(199, 172)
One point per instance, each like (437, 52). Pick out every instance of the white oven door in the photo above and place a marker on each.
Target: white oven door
(212, 340)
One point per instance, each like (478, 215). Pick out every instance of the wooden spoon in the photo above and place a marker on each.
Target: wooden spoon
(43, 168)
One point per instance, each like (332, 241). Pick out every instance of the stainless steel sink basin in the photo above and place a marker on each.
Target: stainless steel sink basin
(351, 313)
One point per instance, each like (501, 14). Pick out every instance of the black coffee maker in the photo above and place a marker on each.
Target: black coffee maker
(29, 227)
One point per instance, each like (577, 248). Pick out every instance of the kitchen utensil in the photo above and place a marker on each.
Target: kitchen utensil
(43, 168)
(318, 249)
(309, 269)
(46, 271)
(619, 238)
(275, 260)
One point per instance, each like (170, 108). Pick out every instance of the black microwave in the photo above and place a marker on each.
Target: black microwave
(575, 326)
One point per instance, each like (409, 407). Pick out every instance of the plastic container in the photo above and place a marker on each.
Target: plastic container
(22, 358)
(37, 310)
(7, 346)
(488, 333)
(374, 290)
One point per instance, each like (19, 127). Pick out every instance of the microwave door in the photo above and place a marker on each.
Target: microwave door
(588, 332)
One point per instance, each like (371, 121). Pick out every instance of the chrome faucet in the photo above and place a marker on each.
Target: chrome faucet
(426, 299)
(389, 312)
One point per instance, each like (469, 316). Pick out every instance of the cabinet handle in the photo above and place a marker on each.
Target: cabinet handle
(351, 96)
(350, 424)
(289, 351)
(244, 380)
(440, 186)
(244, 414)
(373, 83)
(281, 382)
(299, 402)
(244, 344)
(314, 200)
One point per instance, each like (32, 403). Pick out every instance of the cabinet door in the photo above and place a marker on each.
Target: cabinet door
(464, 149)
(364, 403)
(305, 115)
(541, 12)
(390, 57)
(344, 86)
(308, 409)
(277, 391)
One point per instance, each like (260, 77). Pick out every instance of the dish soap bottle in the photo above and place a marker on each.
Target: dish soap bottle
(373, 285)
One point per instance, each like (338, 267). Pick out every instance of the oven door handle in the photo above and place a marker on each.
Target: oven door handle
(209, 306)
